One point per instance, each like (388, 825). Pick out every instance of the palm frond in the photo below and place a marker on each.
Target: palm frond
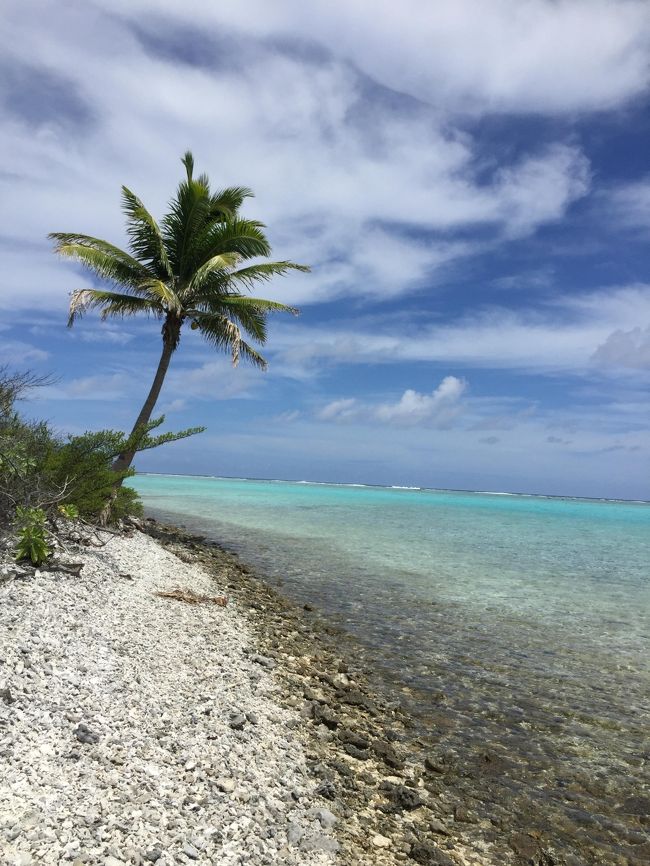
(162, 293)
(251, 319)
(106, 260)
(144, 233)
(223, 333)
(249, 313)
(110, 303)
(220, 264)
(188, 162)
(227, 202)
(265, 271)
(251, 355)
(241, 236)
(244, 301)
(184, 224)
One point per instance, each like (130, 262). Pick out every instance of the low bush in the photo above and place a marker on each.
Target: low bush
(45, 477)
(32, 535)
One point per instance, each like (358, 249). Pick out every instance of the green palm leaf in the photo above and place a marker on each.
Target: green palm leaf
(220, 264)
(241, 236)
(104, 259)
(144, 235)
(227, 202)
(110, 303)
(243, 301)
(265, 271)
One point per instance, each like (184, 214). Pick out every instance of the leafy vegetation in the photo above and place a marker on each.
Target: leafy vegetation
(33, 535)
(46, 478)
(190, 267)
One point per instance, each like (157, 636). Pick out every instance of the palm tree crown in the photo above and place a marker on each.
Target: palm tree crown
(194, 265)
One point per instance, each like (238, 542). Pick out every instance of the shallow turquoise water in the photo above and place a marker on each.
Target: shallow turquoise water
(520, 621)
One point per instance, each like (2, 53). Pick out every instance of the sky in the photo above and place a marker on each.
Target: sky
(469, 181)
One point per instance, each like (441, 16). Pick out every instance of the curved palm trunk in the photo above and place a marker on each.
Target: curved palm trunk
(123, 460)
(171, 334)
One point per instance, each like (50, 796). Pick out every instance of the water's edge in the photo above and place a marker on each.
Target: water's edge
(363, 745)
(475, 789)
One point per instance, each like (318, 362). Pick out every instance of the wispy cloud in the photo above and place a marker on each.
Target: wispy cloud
(215, 379)
(101, 387)
(629, 203)
(564, 334)
(491, 57)
(17, 352)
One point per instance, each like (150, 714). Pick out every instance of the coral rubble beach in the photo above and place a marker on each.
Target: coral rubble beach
(140, 729)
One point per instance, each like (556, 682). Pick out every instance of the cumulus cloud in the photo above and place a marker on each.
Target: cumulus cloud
(440, 408)
(625, 349)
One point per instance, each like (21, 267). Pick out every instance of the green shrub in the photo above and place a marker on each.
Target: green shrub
(73, 477)
(70, 512)
(33, 535)
(83, 466)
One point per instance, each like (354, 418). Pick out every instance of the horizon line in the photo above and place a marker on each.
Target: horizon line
(403, 487)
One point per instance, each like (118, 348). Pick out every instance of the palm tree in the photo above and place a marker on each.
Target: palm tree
(188, 268)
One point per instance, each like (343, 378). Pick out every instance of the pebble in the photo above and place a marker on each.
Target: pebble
(326, 818)
(294, 833)
(320, 842)
(380, 841)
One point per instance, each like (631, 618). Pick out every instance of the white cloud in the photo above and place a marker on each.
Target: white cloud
(563, 335)
(342, 174)
(173, 406)
(499, 56)
(339, 410)
(455, 457)
(102, 387)
(629, 349)
(213, 380)
(441, 406)
(105, 333)
(17, 352)
(630, 203)
(439, 409)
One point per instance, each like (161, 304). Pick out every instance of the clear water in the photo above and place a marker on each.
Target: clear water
(519, 623)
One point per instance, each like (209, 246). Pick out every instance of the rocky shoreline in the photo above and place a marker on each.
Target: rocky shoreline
(363, 751)
(137, 727)
(443, 801)
(143, 722)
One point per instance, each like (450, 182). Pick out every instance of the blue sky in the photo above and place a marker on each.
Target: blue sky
(470, 182)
